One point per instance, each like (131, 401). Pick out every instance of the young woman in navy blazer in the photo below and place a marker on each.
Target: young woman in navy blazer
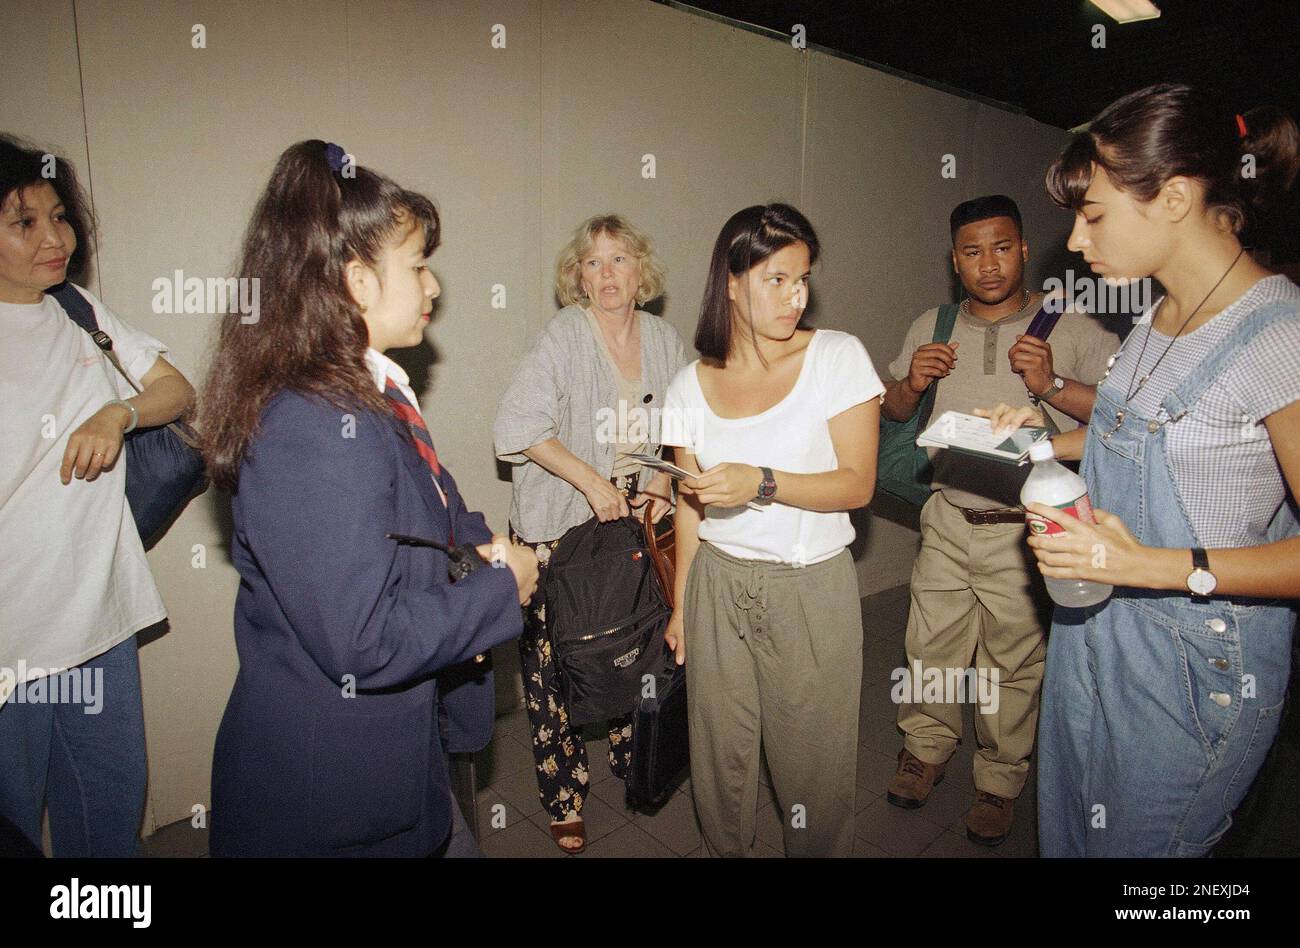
(356, 652)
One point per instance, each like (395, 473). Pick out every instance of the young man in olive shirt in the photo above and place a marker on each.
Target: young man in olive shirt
(976, 599)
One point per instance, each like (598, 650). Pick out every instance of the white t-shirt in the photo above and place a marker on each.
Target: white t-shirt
(73, 577)
(793, 436)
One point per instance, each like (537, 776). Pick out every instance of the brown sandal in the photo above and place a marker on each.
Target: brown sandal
(570, 830)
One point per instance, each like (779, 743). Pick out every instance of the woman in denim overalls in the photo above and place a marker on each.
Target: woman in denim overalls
(1160, 704)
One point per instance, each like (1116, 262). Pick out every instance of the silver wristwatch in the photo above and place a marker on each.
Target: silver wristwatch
(1057, 386)
(1200, 580)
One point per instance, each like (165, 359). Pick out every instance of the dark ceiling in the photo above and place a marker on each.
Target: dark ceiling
(1038, 57)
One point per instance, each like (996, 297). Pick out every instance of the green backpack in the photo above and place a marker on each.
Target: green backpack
(903, 469)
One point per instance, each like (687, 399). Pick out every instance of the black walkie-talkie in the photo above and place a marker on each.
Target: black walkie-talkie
(462, 559)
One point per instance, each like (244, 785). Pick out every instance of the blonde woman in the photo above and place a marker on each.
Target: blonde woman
(584, 398)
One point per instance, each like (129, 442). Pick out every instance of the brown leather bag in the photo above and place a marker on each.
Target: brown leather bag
(663, 555)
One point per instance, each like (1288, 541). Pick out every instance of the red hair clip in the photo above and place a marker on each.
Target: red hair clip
(1241, 126)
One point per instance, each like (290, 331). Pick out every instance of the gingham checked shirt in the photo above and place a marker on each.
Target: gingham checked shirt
(1221, 455)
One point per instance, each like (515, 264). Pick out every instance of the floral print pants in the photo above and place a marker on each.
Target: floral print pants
(561, 757)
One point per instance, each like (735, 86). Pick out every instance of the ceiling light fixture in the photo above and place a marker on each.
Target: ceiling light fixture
(1128, 11)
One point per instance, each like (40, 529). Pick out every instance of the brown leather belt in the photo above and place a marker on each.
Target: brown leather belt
(981, 518)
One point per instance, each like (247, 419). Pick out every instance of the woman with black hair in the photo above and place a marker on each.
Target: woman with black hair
(74, 586)
(1160, 704)
(778, 426)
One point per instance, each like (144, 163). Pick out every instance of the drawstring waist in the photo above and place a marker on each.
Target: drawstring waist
(753, 593)
(750, 579)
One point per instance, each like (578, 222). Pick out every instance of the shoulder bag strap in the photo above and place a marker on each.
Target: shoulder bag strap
(82, 313)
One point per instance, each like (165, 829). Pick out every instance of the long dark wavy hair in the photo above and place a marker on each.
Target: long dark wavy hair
(310, 222)
(22, 166)
(747, 239)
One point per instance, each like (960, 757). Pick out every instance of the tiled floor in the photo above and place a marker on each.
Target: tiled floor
(511, 821)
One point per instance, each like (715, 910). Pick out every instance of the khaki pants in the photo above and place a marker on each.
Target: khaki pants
(976, 601)
(774, 660)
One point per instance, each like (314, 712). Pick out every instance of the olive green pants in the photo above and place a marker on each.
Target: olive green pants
(774, 661)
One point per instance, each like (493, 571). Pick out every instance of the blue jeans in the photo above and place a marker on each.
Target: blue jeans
(86, 759)
(1157, 709)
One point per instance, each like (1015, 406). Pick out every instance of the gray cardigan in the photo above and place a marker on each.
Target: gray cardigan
(559, 391)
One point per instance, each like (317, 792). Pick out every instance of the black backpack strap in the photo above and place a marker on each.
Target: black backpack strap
(82, 313)
(76, 306)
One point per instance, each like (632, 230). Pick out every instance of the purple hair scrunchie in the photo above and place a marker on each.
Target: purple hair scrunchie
(334, 154)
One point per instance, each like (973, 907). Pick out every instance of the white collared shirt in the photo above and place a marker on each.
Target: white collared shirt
(383, 368)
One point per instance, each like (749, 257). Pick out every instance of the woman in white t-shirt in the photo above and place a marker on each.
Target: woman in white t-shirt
(74, 584)
(779, 426)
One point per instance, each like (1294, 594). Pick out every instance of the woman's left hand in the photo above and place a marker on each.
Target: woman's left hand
(1105, 552)
(94, 446)
(658, 493)
(727, 485)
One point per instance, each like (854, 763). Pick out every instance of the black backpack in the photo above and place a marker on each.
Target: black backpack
(605, 616)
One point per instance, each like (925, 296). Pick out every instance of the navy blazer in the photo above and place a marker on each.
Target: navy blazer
(332, 741)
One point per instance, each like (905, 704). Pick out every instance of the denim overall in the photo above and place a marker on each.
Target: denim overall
(1157, 710)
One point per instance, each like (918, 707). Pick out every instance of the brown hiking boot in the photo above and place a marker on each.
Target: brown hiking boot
(989, 821)
(913, 781)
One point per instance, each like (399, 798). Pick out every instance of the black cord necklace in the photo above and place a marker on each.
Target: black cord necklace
(1136, 385)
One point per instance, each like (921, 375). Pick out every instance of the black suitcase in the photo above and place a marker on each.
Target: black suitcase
(660, 746)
